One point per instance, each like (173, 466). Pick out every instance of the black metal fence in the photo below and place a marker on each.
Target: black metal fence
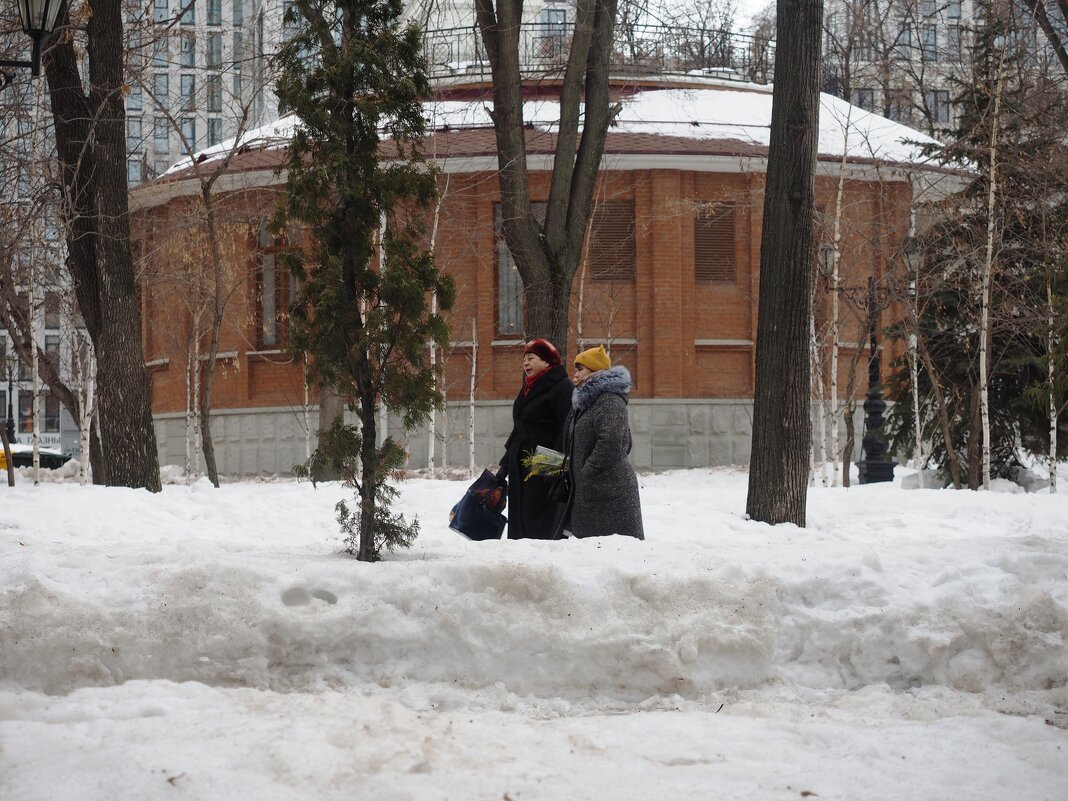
(637, 50)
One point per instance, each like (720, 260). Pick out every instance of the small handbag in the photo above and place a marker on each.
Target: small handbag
(560, 489)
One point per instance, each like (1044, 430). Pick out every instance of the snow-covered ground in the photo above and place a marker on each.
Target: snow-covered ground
(215, 644)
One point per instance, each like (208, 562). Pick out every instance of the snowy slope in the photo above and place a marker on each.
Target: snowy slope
(908, 644)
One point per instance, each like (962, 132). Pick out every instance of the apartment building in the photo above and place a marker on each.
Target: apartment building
(198, 75)
(898, 58)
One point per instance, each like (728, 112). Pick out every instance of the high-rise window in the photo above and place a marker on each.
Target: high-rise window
(238, 50)
(161, 88)
(189, 92)
(188, 11)
(133, 134)
(903, 44)
(929, 42)
(214, 12)
(215, 129)
(901, 106)
(213, 54)
(953, 9)
(161, 135)
(188, 56)
(953, 42)
(864, 98)
(239, 12)
(938, 105)
(134, 170)
(161, 51)
(134, 100)
(214, 91)
(188, 126)
(161, 11)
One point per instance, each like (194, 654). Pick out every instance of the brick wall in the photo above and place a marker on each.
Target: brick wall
(679, 337)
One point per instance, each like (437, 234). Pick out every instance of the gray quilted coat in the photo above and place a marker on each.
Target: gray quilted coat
(604, 495)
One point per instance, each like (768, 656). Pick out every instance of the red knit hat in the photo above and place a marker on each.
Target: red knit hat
(544, 350)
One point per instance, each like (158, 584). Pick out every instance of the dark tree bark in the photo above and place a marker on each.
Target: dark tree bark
(782, 422)
(547, 255)
(90, 128)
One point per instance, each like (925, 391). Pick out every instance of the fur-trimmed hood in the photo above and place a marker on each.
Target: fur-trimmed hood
(615, 380)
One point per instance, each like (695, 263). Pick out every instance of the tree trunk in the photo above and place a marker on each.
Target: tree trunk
(782, 424)
(547, 255)
(331, 409)
(7, 456)
(369, 484)
(90, 135)
(987, 274)
(943, 414)
(207, 444)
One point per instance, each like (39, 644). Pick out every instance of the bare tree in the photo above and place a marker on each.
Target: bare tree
(90, 132)
(547, 254)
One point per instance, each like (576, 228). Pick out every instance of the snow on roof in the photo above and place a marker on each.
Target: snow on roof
(741, 112)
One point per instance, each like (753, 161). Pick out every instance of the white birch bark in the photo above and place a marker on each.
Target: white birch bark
(196, 400)
(36, 392)
(1051, 343)
(817, 382)
(432, 432)
(87, 369)
(188, 412)
(917, 453)
(307, 412)
(383, 413)
(836, 287)
(914, 368)
(988, 267)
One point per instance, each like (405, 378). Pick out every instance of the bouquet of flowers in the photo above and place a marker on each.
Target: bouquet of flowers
(543, 462)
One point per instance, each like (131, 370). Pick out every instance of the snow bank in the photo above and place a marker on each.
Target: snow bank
(245, 586)
(215, 645)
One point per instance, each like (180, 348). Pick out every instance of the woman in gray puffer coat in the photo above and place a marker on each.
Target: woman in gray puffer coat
(604, 490)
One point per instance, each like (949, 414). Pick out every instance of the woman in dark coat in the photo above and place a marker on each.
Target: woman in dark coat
(538, 416)
(604, 490)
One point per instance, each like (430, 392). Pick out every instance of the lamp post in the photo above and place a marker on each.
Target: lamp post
(874, 467)
(9, 362)
(38, 20)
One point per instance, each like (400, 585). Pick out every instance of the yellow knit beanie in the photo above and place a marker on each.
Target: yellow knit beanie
(594, 359)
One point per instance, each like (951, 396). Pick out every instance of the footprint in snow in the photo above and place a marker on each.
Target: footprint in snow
(298, 596)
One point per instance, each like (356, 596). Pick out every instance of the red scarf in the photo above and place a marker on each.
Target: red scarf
(531, 380)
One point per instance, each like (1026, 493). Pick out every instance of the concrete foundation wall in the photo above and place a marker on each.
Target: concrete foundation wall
(668, 434)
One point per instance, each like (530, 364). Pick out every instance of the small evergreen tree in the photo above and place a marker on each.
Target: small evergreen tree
(359, 183)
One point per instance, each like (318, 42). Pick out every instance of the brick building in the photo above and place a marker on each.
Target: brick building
(670, 282)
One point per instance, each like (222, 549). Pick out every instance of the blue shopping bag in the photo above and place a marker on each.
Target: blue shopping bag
(478, 514)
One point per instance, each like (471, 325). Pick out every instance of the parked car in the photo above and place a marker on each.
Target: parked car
(22, 456)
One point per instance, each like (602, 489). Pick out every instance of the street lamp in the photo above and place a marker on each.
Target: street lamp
(9, 366)
(38, 20)
(874, 467)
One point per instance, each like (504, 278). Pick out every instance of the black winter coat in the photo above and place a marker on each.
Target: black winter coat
(537, 419)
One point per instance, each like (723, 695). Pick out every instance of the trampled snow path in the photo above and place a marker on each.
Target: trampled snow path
(213, 644)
